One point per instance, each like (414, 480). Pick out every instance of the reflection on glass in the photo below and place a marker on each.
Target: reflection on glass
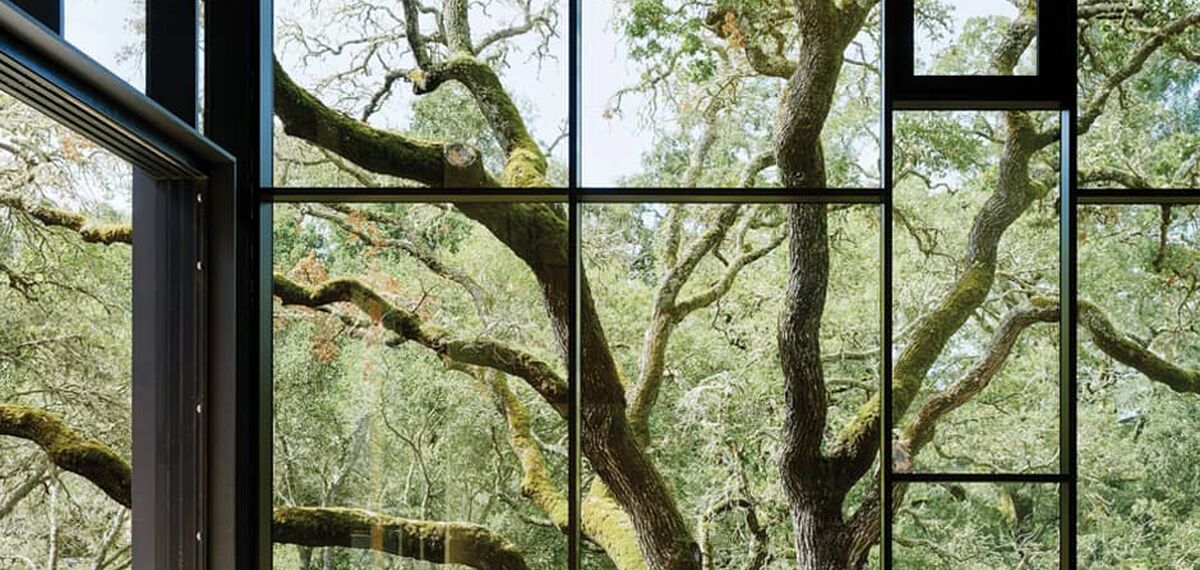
(687, 95)
(975, 291)
(1139, 361)
(977, 526)
(975, 37)
(685, 339)
(1138, 124)
(65, 346)
(443, 93)
(420, 392)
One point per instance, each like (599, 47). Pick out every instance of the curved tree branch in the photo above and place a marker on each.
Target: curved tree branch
(1091, 110)
(68, 450)
(440, 542)
(88, 230)
(480, 352)
(1128, 352)
(379, 151)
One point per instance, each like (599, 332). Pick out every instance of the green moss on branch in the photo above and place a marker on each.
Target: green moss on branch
(440, 542)
(376, 150)
(1128, 352)
(70, 451)
(479, 351)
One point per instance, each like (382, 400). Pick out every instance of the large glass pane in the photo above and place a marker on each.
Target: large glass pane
(975, 286)
(444, 93)
(977, 526)
(1139, 377)
(420, 391)
(683, 354)
(1139, 124)
(690, 94)
(963, 37)
(65, 346)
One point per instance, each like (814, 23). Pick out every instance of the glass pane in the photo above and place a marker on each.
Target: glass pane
(1139, 125)
(367, 103)
(965, 37)
(1139, 361)
(975, 287)
(112, 32)
(65, 346)
(687, 304)
(687, 95)
(409, 340)
(977, 526)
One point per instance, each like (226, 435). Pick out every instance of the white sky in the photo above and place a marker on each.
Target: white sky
(613, 148)
(960, 11)
(610, 148)
(100, 28)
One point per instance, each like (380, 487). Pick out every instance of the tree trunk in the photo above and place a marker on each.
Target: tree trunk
(820, 538)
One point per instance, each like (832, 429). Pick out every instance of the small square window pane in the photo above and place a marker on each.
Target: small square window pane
(969, 37)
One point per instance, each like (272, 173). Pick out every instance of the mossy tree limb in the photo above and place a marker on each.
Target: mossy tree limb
(89, 230)
(1125, 350)
(537, 483)
(376, 150)
(440, 542)
(479, 351)
(69, 450)
(920, 430)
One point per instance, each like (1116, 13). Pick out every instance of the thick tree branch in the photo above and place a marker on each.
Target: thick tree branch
(920, 431)
(525, 164)
(1125, 179)
(800, 349)
(1017, 37)
(379, 151)
(68, 450)
(440, 542)
(479, 352)
(537, 483)
(755, 166)
(88, 230)
(1128, 352)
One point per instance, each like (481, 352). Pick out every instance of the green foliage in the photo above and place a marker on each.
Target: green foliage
(1139, 477)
